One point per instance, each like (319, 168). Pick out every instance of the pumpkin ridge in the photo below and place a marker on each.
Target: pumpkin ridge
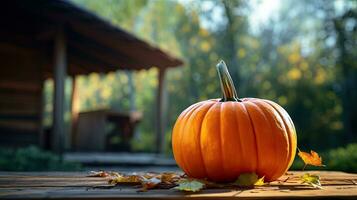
(209, 174)
(288, 158)
(277, 165)
(268, 163)
(182, 127)
(221, 138)
(289, 133)
(255, 138)
(241, 149)
(199, 138)
(192, 118)
(241, 146)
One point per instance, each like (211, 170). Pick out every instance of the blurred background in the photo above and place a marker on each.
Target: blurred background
(300, 54)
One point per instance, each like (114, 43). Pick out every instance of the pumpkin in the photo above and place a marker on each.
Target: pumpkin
(219, 139)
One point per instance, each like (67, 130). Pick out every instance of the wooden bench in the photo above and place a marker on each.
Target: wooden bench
(75, 185)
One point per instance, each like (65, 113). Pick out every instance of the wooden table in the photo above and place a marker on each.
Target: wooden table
(59, 185)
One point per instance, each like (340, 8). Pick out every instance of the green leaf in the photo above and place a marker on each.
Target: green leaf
(249, 179)
(190, 186)
(311, 179)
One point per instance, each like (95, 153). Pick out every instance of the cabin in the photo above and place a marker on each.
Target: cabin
(56, 39)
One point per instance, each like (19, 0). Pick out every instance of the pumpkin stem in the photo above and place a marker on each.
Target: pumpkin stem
(227, 85)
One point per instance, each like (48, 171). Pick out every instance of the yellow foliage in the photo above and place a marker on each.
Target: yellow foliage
(294, 74)
(205, 46)
(111, 77)
(94, 78)
(294, 58)
(106, 92)
(203, 32)
(304, 65)
(180, 9)
(320, 76)
(241, 53)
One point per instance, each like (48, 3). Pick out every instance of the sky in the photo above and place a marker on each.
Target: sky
(261, 11)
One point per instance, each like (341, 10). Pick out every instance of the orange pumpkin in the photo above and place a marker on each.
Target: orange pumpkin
(219, 139)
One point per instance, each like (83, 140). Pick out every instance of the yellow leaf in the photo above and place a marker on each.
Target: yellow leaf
(311, 158)
(249, 179)
(260, 181)
(311, 179)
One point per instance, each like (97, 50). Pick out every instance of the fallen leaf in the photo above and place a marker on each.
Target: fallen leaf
(149, 183)
(169, 177)
(126, 179)
(98, 174)
(311, 179)
(311, 158)
(260, 181)
(249, 179)
(190, 185)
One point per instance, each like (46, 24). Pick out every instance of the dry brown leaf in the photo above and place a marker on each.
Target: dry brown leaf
(126, 179)
(149, 183)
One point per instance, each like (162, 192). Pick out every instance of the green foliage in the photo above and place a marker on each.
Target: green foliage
(343, 158)
(33, 159)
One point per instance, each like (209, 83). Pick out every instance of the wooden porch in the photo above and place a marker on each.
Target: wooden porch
(56, 39)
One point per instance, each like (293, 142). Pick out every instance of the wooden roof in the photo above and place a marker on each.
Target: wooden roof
(93, 45)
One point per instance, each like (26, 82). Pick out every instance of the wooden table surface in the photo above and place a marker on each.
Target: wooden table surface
(74, 185)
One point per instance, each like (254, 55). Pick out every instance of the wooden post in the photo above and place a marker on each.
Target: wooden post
(60, 65)
(160, 113)
(74, 112)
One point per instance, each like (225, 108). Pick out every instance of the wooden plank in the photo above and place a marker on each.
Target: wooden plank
(54, 185)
